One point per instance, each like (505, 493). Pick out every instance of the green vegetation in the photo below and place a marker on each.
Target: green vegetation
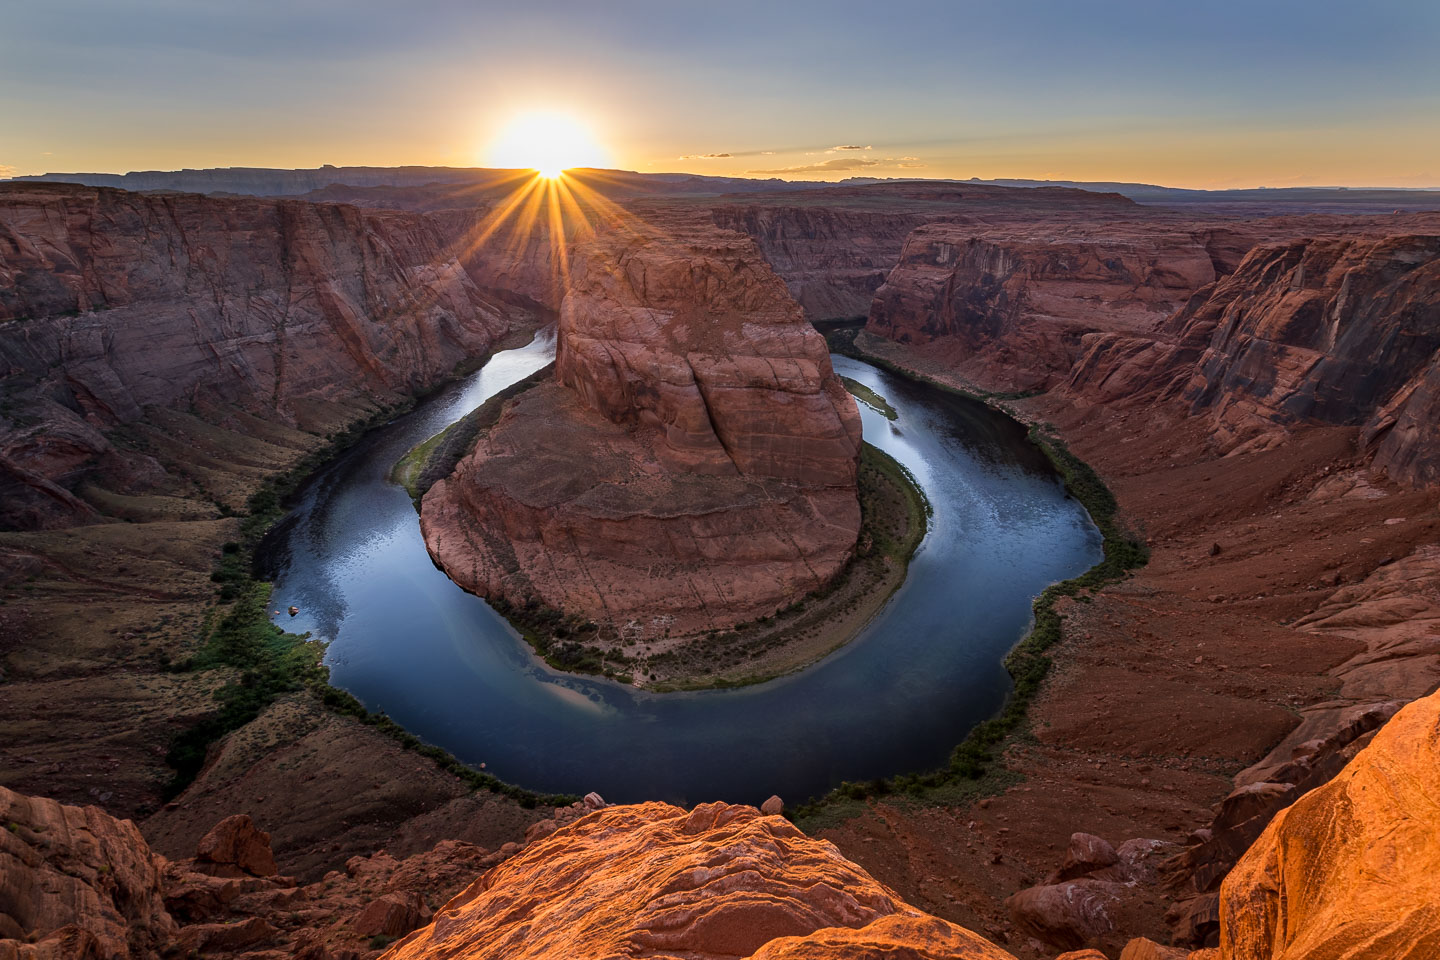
(272, 662)
(870, 398)
(974, 768)
(435, 458)
(564, 641)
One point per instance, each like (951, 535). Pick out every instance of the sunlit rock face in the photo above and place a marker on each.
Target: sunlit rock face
(718, 882)
(1352, 869)
(695, 460)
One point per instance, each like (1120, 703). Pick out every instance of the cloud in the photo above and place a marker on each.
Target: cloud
(849, 146)
(839, 164)
(707, 156)
(8, 171)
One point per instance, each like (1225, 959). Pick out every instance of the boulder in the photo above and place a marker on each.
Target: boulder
(1142, 948)
(1086, 854)
(773, 807)
(1068, 915)
(393, 915)
(235, 847)
(224, 937)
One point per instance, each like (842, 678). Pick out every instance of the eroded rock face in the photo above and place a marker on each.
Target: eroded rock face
(113, 302)
(832, 260)
(1351, 869)
(1013, 305)
(695, 462)
(1340, 330)
(76, 882)
(235, 847)
(652, 880)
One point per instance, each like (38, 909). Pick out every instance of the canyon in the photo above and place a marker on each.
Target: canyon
(1260, 395)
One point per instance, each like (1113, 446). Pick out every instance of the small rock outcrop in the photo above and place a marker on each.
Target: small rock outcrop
(694, 465)
(629, 881)
(1351, 870)
(235, 847)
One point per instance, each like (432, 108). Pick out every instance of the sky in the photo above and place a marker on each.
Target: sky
(1215, 94)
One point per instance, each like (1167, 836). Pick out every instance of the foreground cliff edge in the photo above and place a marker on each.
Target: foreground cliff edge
(1347, 873)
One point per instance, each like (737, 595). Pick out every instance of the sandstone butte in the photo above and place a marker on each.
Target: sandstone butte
(692, 466)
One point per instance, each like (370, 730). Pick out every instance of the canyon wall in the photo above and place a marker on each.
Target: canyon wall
(693, 465)
(1337, 330)
(832, 260)
(1011, 306)
(1351, 870)
(114, 303)
(1255, 332)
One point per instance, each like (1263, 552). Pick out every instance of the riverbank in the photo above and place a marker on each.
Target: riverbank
(974, 767)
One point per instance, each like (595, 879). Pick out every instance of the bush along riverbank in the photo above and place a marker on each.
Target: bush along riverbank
(975, 767)
(239, 636)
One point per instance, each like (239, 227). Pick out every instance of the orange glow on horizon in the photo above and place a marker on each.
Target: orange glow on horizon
(558, 209)
(548, 142)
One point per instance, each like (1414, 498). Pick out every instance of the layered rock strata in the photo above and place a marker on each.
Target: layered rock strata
(1339, 330)
(114, 303)
(693, 465)
(1013, 304)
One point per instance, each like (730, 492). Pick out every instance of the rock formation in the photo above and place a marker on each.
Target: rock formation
(1351, 870)
(112, 303)
(694, 464)
(1340, 330)
(832, 260)
(718, 882)
(75, 882)
(1012, 305)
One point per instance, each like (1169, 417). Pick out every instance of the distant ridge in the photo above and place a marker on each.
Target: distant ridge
(278, 182)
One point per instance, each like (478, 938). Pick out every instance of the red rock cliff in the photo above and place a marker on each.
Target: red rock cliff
(1339, 330)
(1352, 869)
(1012, 305)
(112, 302)
(695, 462)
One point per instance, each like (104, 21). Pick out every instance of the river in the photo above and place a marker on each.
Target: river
(404, 639)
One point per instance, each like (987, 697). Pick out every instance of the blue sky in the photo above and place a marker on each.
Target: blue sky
(1218, 94)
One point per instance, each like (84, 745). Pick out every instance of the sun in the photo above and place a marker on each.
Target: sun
(547, 141)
